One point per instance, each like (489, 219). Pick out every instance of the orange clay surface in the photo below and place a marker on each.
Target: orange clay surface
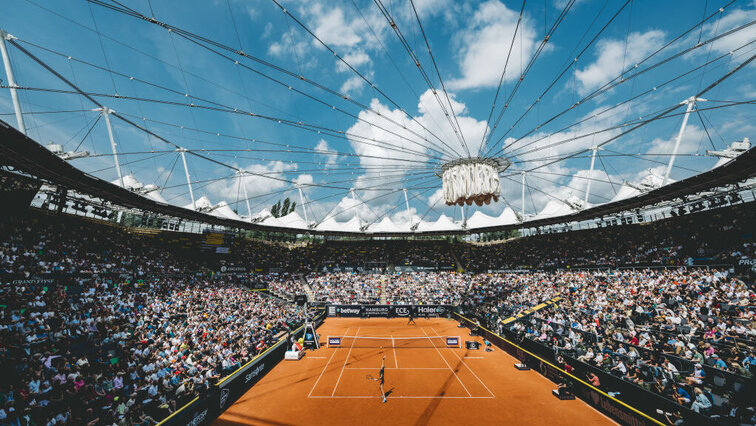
(432, 385)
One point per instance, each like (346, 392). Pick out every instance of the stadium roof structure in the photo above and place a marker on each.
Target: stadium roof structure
(360, 119)
(26, 155)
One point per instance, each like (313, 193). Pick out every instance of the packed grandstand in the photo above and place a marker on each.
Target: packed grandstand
(242, 213)
(107, 325)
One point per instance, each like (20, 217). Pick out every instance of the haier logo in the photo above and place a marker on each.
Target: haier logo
(426, 310)
(402, 312)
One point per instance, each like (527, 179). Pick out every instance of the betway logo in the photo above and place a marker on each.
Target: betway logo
(402, 312)
(254, 373)
(350, 310)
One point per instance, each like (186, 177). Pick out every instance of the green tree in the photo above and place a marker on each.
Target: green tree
(282, 209)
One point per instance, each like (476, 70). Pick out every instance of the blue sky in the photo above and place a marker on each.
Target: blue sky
(376, 148)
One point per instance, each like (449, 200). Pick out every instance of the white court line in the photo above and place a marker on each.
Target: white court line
(476, 376)
(403, 368)
(447, 364)
(401, 396)
(396, 360)
(345, 362)
(324, 368)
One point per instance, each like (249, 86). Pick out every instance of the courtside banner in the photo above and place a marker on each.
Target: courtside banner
(392, 311)
(452, 341)
(334, 341)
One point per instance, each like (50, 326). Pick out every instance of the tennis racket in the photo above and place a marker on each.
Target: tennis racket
(369, 377)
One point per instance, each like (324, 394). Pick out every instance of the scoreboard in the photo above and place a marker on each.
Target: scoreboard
(217, 242)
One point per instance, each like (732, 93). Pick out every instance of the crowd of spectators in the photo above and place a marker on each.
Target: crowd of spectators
(410, 288)
(41, 245)
(126, 353)
(104, 325)
(283, 284)
(417, 288)
(346, 287)
(719, 236)
(380, 254)
(687, 334)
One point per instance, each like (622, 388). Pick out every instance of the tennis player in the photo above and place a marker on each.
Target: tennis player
(411, 318)
(380, 379)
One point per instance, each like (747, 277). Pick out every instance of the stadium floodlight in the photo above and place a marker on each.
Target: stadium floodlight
(472, 180)
(70, 155)
(66, 155)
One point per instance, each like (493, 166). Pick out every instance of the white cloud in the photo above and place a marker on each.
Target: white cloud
(333, 28)
(427, 8)
(401, 217)
(436, 200)
(290, 44)
(485, 45)
(603, 185)
(398, 162)
(691, 140)
(304, 180)
(257, 184)
(353, 84)
(612, 54)
(355, 59)
(730, 20)
(322, 148)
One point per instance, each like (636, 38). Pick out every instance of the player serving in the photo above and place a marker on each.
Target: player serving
(380, 378)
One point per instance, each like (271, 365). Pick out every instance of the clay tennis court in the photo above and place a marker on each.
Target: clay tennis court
(427, 382)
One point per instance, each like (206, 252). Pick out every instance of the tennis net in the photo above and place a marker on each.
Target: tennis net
(393, 342)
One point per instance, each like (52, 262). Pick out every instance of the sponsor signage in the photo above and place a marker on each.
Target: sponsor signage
(388, 310)
(747, 266)
(376, 310)
(232, 269)
(334, 341)
(402, 311)
(452, 341)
